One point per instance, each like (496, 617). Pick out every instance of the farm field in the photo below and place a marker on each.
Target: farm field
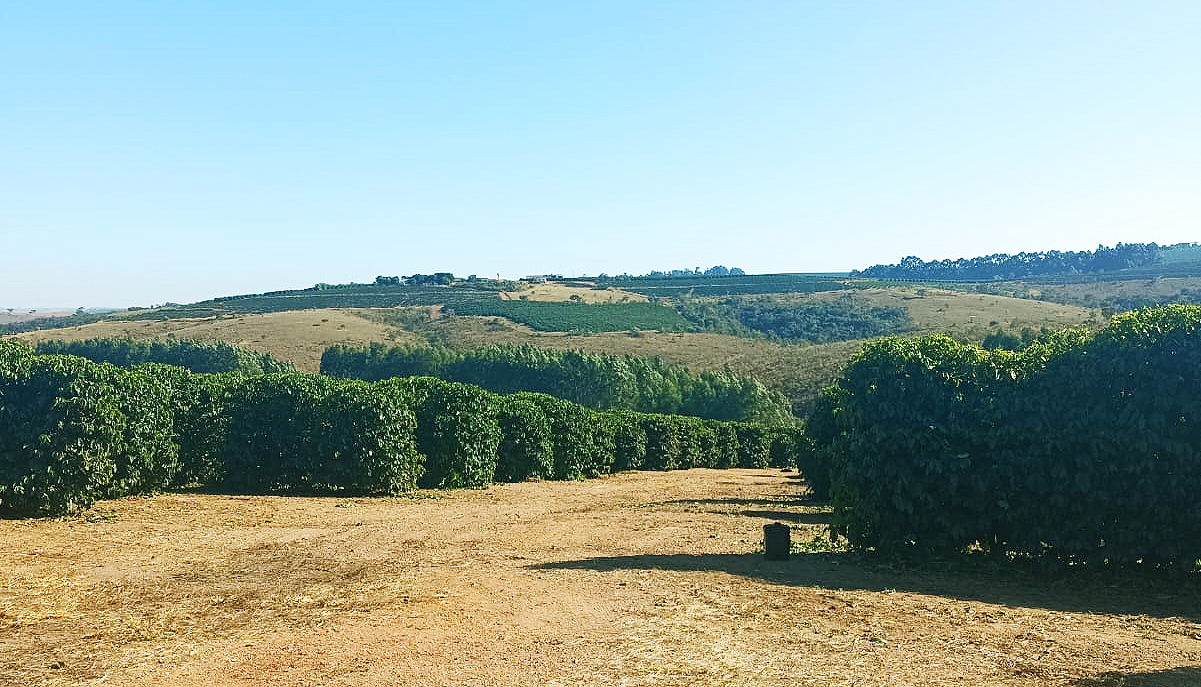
(634, 579)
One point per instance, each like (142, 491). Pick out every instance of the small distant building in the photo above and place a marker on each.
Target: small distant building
(541, 278)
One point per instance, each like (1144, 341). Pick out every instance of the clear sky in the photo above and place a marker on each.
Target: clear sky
(174, 151)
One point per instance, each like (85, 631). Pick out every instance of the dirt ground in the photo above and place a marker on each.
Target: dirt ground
(635, 579)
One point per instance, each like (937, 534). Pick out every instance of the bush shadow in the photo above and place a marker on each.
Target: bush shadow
(1106, 592)
(790, 516)
(1187, 676)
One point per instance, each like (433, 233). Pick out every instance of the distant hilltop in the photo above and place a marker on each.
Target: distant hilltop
(1002, 266)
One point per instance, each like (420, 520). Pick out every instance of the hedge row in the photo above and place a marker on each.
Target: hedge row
(1081, 450)
(73, 431)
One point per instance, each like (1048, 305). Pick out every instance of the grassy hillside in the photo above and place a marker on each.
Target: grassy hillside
(434, 313)
(1116, 295)
(298, 337)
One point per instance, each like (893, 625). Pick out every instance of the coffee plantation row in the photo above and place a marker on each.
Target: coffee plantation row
(1083, 450)
(73, 431)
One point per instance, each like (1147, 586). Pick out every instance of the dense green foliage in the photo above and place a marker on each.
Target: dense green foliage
(73, 431)
(311, 434)
(199, 420)
(844, 319)
(597, 381)
(457, 431)
(527, 447)
(754, 445)
(568, 316)
(678, 286)
(15, 358)
(1020, 266)
(1081, 450)
(575, 454)
(197, 356)
(1014, 342)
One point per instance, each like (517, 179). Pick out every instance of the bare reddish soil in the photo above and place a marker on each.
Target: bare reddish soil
(635, 579)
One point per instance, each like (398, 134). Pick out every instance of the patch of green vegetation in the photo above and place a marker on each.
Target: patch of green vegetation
(576, 317)
(702, 286)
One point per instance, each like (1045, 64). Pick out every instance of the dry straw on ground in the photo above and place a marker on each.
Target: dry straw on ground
(635, 579)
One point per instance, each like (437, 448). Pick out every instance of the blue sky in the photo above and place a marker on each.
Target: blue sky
(167, 151)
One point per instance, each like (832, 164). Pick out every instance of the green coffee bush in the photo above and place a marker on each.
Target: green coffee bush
(457, 431)
(72, 431)
(526, 449)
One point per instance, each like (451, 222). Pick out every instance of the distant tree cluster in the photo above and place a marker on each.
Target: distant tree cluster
(437, 278)
(715, 271)
(1023, 265)
(1001, 339)
(602, 382)
(844, 319)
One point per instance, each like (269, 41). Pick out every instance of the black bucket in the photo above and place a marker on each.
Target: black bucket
(776, 541)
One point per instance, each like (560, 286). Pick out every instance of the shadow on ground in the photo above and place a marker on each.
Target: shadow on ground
(807, 510)
(790, 516)
(1175, 677)
(1117, 593)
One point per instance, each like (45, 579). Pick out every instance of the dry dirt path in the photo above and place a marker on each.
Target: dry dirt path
(636, 579)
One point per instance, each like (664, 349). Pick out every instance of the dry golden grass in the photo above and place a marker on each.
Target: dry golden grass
(1096, 292)
(562, 292)
(638, 579)
(16, 315)
(299, 337)
(964, 315)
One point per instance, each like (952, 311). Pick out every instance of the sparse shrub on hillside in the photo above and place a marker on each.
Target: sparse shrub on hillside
(561, 316)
